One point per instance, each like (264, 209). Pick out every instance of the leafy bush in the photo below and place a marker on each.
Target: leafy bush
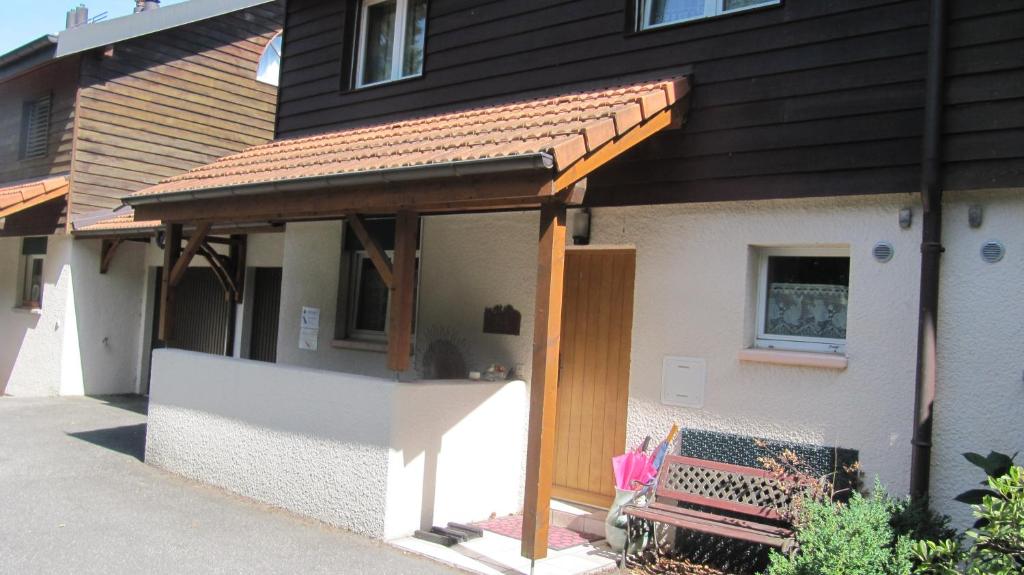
(998, 537)
(858, 536)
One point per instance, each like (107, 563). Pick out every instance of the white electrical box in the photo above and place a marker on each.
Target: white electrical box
(682, 381)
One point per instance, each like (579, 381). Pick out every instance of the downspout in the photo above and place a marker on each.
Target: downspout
(931, 252)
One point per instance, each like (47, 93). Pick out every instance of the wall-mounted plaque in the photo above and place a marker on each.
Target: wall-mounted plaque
(502, 319)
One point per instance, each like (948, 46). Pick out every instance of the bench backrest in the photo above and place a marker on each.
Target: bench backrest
(722, 486)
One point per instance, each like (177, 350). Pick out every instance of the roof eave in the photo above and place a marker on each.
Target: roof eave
(489, 166)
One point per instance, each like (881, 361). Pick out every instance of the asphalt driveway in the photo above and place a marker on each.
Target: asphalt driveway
(75, 497)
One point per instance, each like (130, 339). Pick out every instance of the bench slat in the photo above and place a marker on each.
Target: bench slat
(763, 527)
(709, 526)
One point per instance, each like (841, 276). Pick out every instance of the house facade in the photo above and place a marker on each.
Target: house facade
(92, 114)
(737, 205)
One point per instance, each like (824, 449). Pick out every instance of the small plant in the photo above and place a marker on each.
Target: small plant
(857, 536)
(997, 540)
(801, 483)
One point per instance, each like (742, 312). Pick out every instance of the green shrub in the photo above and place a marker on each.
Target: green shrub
(997, 540)
(846, 538)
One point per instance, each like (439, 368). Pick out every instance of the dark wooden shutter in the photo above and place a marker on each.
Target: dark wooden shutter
(36, 129)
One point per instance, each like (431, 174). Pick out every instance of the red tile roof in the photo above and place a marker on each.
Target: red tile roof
(566, 127)
(123, 221)
(23, 195)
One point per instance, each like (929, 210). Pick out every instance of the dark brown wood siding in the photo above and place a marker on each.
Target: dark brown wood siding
(167, 102)
(58, 80)
(809, 98)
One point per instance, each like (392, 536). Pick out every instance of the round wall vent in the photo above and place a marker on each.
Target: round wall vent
(992, 251)
(883, 251)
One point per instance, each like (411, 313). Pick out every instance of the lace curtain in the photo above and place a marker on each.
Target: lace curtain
(806, 310)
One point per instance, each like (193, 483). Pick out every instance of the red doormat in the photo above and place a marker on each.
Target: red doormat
(559, 538)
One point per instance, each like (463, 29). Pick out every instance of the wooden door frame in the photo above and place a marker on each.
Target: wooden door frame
(567, 493)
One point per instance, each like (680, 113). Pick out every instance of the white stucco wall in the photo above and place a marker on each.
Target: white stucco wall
(371, 455)
(695, 297)
(980, 391)
(83, 340)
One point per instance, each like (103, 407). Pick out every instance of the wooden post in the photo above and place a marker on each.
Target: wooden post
(172, 251)
(237, 253)
(403, 291)
(547, 332)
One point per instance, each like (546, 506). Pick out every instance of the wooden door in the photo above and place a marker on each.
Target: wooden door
(593, 384)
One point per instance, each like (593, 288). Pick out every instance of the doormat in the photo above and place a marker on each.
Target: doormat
(559, 538)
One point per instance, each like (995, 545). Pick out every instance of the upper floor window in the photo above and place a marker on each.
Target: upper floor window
(391, 40)
(269, 70)
(35, 128)
(803, 295)
(662, 12)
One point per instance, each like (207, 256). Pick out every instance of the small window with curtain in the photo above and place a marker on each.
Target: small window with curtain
(656, 13)
(391, 39)
(803, 294)
(30, 288)
(35, 128)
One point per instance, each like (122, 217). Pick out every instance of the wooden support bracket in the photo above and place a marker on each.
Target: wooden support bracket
(194, 243)
(220, 268)
(403, 292)
(237, 253)
(377, 255)
(540, 451)
(107, 251)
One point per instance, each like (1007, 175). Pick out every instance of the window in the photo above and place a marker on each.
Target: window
(269, 70)
(656, 13)
(391, 40)
(364, 300)
(33, 250)
(35, 129)
(802, 299)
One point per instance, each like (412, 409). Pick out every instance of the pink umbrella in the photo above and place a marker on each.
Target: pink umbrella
(632, 469)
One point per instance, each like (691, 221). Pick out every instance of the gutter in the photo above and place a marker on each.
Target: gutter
(931, 253)
(27, 50)
(404, 174)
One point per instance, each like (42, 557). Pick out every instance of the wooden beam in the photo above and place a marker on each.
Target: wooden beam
(445, 195)
(377, 256)
(236, 256)
(107, 251)
(612, 149)
(403, 292)
(172, 250)
(547, 332)
(193, 245)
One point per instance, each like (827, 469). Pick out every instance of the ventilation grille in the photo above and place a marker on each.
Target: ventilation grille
(883, 251)
(36, 129)
(992, 251)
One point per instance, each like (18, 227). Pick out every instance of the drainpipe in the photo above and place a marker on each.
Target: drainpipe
(931, 252)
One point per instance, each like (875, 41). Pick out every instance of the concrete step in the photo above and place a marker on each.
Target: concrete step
(582, 519)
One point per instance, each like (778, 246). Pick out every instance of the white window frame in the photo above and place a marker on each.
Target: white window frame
(712, 8)
(351, 332)
(26, 281)
(398, 43)
(764, 340)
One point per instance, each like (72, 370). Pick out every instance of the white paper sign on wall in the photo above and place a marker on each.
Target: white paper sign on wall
(683, 380)
(309, 328)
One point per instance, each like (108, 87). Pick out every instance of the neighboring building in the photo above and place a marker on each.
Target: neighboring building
(743, 185)
(102, 110)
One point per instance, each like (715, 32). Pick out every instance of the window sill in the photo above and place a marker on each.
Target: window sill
(28, 309)
(360, 345)
(797, 358)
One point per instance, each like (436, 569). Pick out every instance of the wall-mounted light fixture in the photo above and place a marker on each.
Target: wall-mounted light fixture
(581, 227)
(975, 216)
(906, 218)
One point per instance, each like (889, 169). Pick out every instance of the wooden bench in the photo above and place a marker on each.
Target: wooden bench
(719, 499)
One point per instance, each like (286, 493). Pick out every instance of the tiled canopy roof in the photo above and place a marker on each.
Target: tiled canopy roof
(120, 221)
(566, 127)
(24, 195)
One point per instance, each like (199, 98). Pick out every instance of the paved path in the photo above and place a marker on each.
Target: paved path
(76, 498)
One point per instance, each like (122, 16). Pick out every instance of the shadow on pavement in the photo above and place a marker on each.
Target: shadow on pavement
(127, 439)
(129, 402)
